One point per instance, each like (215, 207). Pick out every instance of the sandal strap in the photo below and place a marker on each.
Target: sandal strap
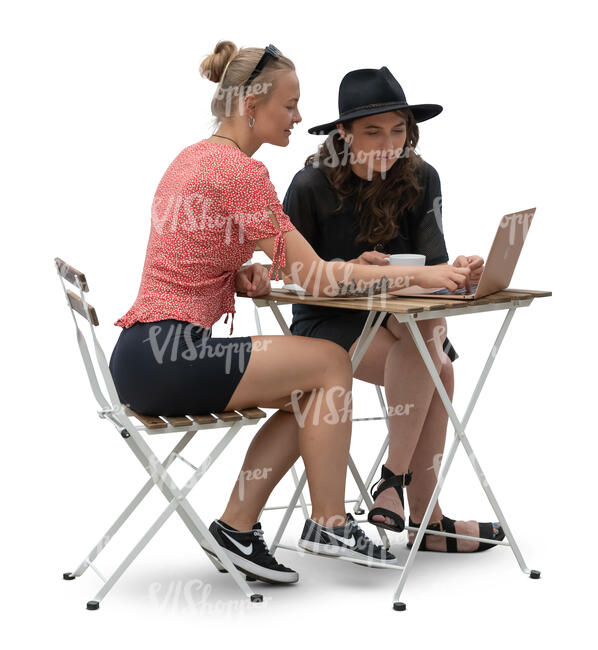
(446, 525)
(390, 480)
(399, 524)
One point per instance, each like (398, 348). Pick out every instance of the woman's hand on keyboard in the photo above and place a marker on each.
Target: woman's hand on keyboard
(475, 264)
(442, 275)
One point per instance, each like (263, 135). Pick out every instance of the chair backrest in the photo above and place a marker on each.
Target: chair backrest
(78, 305)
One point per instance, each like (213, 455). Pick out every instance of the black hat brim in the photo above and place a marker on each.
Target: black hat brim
(421, 113)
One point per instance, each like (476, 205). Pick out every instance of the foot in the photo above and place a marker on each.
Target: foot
(347, 541)
(390, 500)
(247, 550)
(489, 530)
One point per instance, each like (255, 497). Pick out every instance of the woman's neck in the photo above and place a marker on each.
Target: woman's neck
(238, 138)
(361, 171)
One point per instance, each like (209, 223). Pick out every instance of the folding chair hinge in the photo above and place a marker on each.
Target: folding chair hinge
(124, 433)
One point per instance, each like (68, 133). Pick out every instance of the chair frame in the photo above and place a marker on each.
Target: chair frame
(120, 416)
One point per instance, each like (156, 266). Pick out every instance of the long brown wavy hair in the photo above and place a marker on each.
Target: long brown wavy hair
(381, 201)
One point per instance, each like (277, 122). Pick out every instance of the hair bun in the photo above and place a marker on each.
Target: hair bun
(212, 67)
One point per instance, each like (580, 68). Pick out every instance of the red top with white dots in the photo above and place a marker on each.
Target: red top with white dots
(209, 210)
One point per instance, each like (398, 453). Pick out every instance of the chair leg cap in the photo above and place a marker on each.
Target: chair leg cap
(68, 576)
(399, 607)
(534, 575)
(93, 604)
(257, 598)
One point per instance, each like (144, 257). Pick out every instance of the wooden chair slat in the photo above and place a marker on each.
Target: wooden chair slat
(149, 421)
(228, 416)
(252, 414)
(77, 305)
(69, 273)
(204, 419)
(178, 420)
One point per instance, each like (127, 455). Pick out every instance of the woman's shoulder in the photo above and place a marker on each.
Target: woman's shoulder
(310, 178)
(223, 166)
(428, 174)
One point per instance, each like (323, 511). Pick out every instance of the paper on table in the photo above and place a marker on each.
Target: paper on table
(300, 291)
(295, 288)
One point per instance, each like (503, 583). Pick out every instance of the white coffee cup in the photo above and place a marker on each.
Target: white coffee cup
(407, 259)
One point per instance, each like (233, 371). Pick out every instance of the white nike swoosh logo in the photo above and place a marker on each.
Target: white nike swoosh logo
(247, 550)
(346, 541)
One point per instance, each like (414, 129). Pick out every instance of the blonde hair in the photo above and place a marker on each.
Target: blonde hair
(230, 68)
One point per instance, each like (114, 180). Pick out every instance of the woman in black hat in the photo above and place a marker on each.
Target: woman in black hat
(365, 195)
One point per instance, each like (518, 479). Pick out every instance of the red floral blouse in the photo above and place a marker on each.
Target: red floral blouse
(209, 210)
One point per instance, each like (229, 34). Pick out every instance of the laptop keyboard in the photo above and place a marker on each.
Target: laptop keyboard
(461, 291)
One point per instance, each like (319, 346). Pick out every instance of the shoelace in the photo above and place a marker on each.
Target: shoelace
(260, 535)
(363, 538)
(273, 562)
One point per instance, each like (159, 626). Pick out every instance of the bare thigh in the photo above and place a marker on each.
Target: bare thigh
(278, 365)
(371, 367)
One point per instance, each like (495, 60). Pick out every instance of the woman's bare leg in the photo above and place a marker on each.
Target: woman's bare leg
(427, 456)
(393, 360)
(425, 464)
(425, 459)
(314, 423)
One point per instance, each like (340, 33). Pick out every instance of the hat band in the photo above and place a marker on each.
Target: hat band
(366, 106)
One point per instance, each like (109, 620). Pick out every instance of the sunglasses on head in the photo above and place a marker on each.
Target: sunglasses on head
(270, 52)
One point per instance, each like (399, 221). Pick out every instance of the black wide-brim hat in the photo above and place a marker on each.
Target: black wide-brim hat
(369, 91)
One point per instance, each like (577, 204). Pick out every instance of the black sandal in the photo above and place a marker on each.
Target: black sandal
(389, 480)
(447, 525)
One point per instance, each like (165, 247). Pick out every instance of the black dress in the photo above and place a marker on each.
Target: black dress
(310, 202)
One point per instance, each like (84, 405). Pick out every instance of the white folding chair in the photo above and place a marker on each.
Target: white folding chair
(112, 410)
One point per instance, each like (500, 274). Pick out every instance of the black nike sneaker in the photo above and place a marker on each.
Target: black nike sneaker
(347, 541)
(247, 550)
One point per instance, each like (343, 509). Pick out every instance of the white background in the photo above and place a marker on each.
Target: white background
(98, 98)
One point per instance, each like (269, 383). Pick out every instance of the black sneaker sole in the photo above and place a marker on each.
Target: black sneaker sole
(246, 567)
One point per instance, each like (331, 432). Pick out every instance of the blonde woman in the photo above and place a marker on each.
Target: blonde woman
(212, 206)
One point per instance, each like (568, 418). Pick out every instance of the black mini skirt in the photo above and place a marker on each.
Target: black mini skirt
(343, 326)
(172, 367)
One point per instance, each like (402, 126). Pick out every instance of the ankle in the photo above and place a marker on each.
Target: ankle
(417, 517)
(328, 520)
(238, 522)
(397, 468)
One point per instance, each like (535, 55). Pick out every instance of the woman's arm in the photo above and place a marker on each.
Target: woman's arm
(321, 278)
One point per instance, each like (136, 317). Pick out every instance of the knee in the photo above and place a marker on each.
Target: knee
(434, 328)
(338, 363)
(434, 333)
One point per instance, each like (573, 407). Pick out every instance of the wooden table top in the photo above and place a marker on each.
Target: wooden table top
(401, 304)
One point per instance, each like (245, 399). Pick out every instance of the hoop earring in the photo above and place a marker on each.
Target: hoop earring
(251, 122)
